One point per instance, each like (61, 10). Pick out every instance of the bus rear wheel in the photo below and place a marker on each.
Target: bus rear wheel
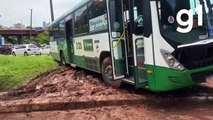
(62, 58)
(107, 73)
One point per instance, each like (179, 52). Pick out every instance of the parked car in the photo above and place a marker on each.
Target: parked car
(45, 50)
(5, 49)
(26, 50)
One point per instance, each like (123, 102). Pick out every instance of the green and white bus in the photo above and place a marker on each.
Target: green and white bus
(136, 41)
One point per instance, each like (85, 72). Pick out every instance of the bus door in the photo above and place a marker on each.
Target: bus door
(69, 38)
(136, 32)
(117, 38)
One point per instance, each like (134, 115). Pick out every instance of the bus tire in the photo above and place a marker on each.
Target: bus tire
(107, 73)
(62, 58)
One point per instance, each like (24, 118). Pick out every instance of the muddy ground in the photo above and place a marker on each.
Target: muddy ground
(63, 83)
(187, 104)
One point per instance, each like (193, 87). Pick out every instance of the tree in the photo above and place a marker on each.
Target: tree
(1, 26)
(43, 38)
(26, 40)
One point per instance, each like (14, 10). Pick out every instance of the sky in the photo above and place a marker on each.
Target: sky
(18, 11)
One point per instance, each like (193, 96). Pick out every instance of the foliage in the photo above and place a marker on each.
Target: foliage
(17, 71)
(26, 40)
(43, 38)
(1, 27)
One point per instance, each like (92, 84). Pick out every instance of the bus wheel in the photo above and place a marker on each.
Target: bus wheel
(107, 73)
(63, 62)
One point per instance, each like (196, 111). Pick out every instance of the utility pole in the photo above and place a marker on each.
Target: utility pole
(51, 10)
(31, 22)
(21, 32)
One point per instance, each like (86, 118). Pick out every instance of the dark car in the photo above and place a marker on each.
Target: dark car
(5, 49)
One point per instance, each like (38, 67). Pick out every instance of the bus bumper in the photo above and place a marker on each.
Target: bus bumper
(165, 79)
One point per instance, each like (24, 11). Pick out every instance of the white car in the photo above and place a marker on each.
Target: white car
(45, 50)
(26, 50)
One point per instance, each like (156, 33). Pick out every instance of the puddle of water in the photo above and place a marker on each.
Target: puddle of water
(201, 98)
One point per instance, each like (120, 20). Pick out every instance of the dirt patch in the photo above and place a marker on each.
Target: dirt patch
(71, 85)
(139, 112)
(63, 83)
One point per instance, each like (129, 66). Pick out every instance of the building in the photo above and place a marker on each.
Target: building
(19, 26)
(45, 25)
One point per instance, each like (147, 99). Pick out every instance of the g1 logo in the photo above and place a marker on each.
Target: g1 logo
(189, 23)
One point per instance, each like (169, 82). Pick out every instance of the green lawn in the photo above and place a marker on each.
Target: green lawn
(17, 71)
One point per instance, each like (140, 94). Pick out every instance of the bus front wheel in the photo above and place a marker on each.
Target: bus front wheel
(107, 73)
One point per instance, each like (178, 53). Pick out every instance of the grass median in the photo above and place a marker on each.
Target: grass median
(17, 71)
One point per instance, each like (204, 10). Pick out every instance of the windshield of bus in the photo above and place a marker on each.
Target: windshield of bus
(168, 10)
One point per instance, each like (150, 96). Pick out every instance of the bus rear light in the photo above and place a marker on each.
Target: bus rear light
(171, 61)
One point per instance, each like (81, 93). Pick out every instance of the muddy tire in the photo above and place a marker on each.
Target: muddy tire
(107, 73)
(62, 58)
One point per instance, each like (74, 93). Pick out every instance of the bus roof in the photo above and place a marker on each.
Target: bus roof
(81, 3)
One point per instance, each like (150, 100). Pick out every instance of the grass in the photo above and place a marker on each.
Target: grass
(17, 71)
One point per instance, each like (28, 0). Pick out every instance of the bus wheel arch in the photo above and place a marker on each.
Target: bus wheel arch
(62, 58)
(103, 55)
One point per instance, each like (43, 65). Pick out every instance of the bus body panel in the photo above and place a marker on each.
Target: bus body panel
(165, 79)
(91, 45)
(60, 46)
(159, 42)
(54, 52)
(87, 50)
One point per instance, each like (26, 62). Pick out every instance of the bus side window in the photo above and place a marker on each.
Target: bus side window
(138, 17)
(96, 8)
(55, 32)
(62, 29)
(97, 16)
(81, 21)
